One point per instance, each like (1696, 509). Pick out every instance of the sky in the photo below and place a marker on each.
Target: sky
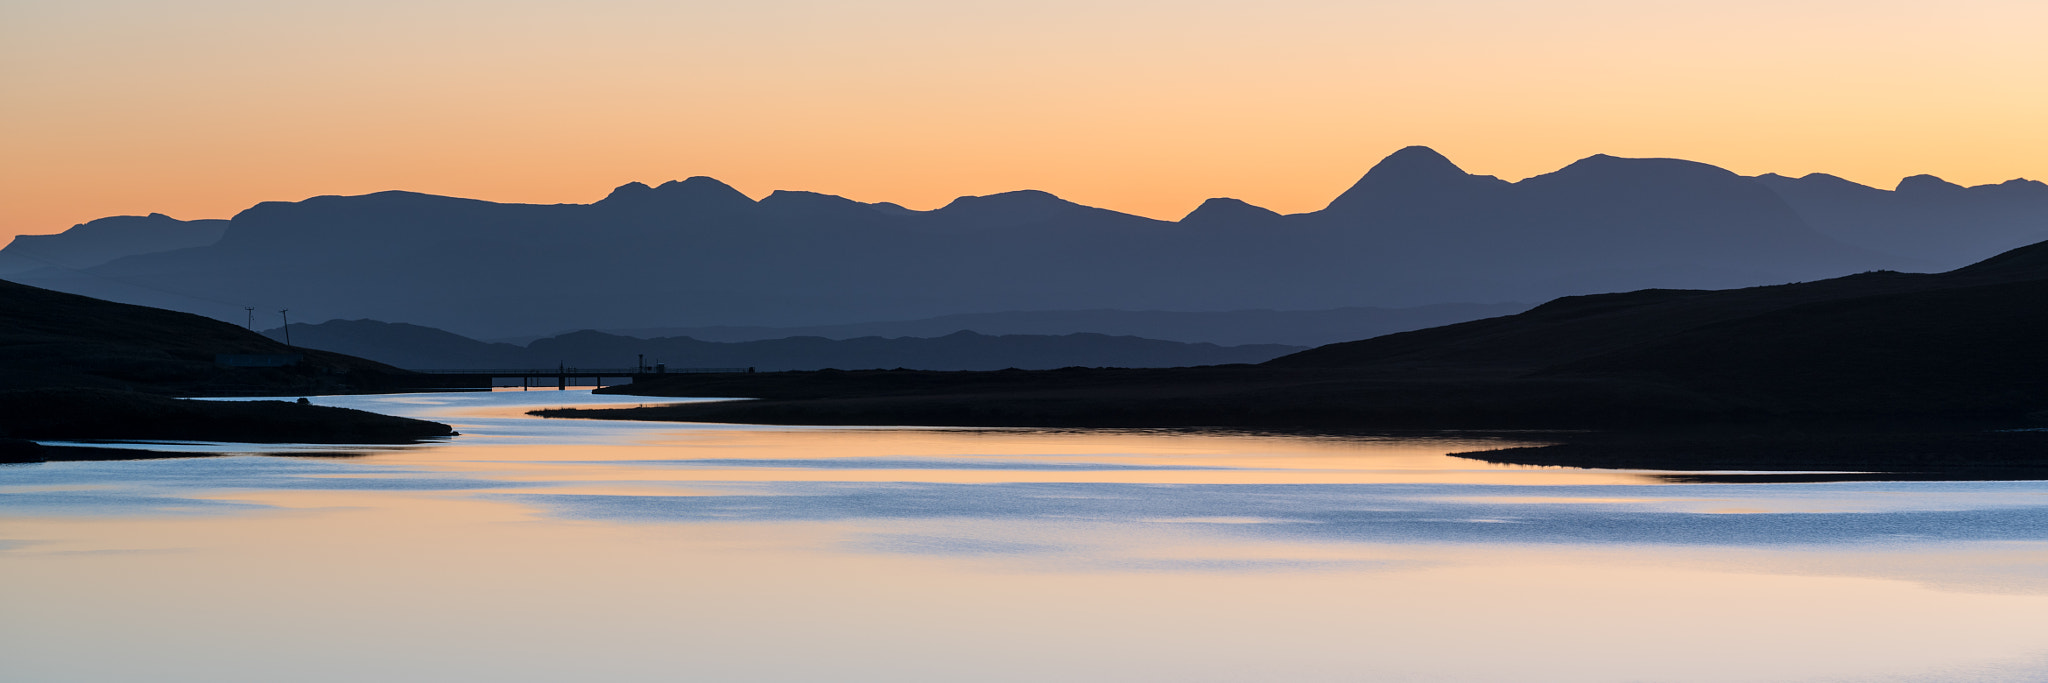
(201, 108)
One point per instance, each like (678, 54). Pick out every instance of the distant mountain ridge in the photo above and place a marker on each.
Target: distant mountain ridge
(1226, 328)
(424, 348)
(90, 244)
(54, 340)
(1947, 224)
(1878, 371)
(1414, 230)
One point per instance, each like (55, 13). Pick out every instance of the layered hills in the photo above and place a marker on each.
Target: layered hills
(420, 347)
(1227, 328)
(90, 244)
(73, 367)
(1415, 230)
(1944, 224)
(57, 340)
(1877, 348)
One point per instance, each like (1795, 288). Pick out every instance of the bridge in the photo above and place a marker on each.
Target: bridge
(562, 377)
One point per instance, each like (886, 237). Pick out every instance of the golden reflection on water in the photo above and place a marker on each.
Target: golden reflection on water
(1156, 458)
(1234, 457)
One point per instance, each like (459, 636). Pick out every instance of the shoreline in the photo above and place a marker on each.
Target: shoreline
(29, 416)
(1588, 424)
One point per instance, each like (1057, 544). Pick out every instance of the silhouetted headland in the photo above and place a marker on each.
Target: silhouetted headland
(1801, 452)
(98, 414)
(75, 368)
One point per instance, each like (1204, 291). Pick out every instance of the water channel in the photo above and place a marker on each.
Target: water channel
(555, 550)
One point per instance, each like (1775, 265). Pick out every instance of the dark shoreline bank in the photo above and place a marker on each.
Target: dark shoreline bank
(25, 452)
(1227, 397)
(99, 415)
(1788, 453)
(1592, 423)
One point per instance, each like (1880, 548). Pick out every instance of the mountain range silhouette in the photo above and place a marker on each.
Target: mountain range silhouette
(416, 347)
(1414, 230)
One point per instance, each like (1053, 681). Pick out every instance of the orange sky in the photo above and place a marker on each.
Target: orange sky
(201, 108)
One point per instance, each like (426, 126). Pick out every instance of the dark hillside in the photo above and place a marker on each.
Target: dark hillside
(1958, 348)
(52, 339)
(1571, 329)
(75, 368)
(71, 414)
(1965, 351)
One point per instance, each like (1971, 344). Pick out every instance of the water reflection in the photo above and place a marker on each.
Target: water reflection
(550, 550)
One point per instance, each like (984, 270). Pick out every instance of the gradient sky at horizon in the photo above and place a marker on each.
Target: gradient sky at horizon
(199, 109)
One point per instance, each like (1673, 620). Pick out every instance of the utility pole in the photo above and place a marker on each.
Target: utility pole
(284, 313)
(252, 317)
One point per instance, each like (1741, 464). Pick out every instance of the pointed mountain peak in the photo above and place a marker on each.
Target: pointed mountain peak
(697, 191)
(1406, 173)
(628, 190)
(1926, 183)
(693, 182)
(702, 186)
(1416, 162)
(1227, 211)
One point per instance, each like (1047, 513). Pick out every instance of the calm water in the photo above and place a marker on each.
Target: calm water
(549, 550)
